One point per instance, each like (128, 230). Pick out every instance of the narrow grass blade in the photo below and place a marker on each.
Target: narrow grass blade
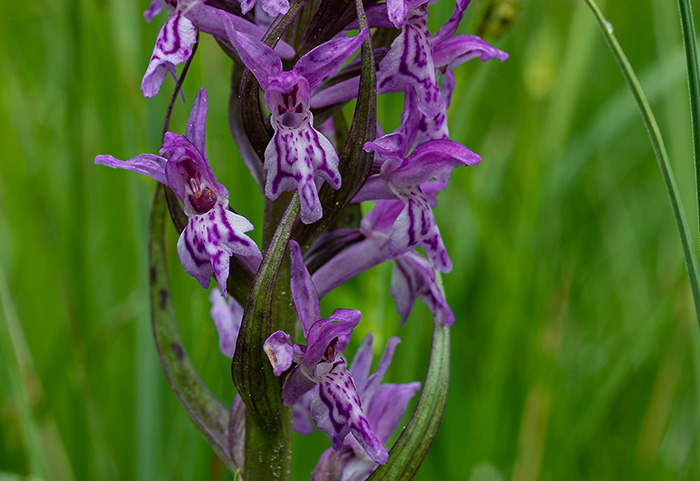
(657, 145)
(691, 57)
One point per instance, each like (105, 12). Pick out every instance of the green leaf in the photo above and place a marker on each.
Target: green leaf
(257, 385)
(410, 449)
(206, 412)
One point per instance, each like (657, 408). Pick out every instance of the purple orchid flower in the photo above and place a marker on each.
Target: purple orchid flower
(412, 277)
(174, 42)
(415, 57)
(213, 233)
(336, 408)
(386, 406)
(414, 61)
(407, 177)
(298, 156)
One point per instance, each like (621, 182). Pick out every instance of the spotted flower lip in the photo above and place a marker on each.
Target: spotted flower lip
(178, 34)
(213, 233)
(385, 405)
(336, 408)
(272, 8)
(298, 156)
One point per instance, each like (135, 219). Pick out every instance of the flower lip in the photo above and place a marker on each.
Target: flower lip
(292, 119)
(203, 200)
(201, 197)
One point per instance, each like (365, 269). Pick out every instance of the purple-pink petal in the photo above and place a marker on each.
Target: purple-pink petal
(172, 48)
(153, 9)
(336, 93)
(416, 226)
(434, 159)
(387, 408)
(397, 11)
(147, 164)
(413, 277)
(337, 411)
(197, 122)
(208, 242)
(272, 8)
(301, 412)
(260, 59)
(303, 289)
(409, 63)
(330, 334)
(327, 58)
(450, 27)
(279, 351)
(294, 158)
(456, 50)
(227, 316)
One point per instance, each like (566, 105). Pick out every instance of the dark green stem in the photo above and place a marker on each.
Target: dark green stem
(268, 425)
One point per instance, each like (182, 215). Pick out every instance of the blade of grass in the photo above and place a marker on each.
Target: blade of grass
(659, 149)
(691, 57)
(45, 450)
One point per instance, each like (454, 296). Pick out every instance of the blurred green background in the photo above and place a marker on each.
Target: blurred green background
(575, 350)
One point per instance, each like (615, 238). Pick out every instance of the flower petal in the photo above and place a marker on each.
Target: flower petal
(337, 411)
(409, 62)
(301, 412)
(208, 242)
(449, 28)
(434, 159)
(325, 59)
(456, 50)
(416, 226)
(294, 158)
(412, 278)
(172, 48)
(153, 9)
(227, 318)
(147, 164)
(387, 408)
(197, 122)
(260, 59)
(279, 351)
(338, 327)
(303, 289)
(362, 361)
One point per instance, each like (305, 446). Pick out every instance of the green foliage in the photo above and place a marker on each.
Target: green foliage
(574, 352)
